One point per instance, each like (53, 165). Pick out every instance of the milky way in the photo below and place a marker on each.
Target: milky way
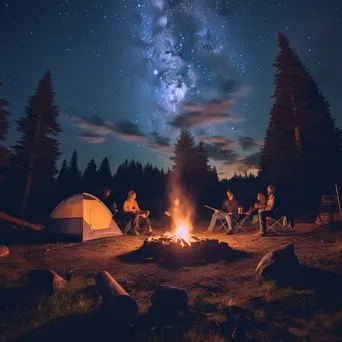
(188, 53)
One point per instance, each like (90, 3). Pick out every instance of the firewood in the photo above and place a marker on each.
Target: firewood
(20, 222)
(118, 302)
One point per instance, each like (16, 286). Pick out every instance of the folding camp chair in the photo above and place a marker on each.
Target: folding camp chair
(124, 222)
(239, 220)
(223, 224)
(273, 223)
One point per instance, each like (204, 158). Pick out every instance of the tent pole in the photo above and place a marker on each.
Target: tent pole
(338, 198)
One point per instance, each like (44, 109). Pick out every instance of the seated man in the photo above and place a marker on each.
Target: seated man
(229, 208)
(131, 208)
(269, 211)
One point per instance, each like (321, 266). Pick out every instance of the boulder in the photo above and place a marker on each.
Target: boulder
(169, 296)
(4, 251)
(171, 334)
(46, 281)
(280, 265)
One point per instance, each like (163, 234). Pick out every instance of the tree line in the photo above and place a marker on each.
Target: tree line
(301, 155)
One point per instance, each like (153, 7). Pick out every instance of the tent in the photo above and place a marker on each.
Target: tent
(83, 216)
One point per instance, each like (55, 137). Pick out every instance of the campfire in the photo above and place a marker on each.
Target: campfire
(181, 247)
(185, 249)
(182, 236)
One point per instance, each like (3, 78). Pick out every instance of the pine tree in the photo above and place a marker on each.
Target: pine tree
(104, 175)
(62, 172)
(302, 148)
(37, 151)
(90, 178)
(3, 118)
(183, 159)
(73, 176)
(4, 153)
(61, 185)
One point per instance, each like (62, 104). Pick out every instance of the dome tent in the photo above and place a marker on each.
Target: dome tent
(83, 216)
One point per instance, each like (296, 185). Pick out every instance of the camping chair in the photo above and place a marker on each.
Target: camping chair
(223, 224)
(124, 222)
(273, 223)
(240, 220)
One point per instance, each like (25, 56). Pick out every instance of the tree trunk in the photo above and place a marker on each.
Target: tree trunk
(26, 194)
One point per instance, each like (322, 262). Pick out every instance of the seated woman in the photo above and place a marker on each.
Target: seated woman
(270, 210)
(260, 205)
(131, 207)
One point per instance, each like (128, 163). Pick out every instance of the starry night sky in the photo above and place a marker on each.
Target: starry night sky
(128, 74)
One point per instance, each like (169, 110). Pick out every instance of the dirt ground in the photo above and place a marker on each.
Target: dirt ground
(314, 246)
(229, 281)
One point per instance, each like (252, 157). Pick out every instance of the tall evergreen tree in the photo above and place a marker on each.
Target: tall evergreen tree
(184, 158)
(302, 148)
(61, 185)
(4, 153)
(73, 176)
(37, 151)
(104, 175)
(62, 172)
(90, 178)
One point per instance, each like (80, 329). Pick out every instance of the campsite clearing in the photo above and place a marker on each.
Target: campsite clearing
(298, 313)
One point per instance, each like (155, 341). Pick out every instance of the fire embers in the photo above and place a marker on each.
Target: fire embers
(175, 251)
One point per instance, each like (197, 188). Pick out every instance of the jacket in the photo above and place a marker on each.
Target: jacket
(270, 203)
(230, 206)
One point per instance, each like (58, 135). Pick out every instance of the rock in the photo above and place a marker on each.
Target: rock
(170, 296)
(4, 251)
(170, 334)
(46, 281)
(280, 265)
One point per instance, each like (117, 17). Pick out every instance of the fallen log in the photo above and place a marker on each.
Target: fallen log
(118, 302)
(20, 222)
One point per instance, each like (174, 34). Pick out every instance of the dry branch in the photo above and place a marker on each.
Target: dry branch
(20, 222)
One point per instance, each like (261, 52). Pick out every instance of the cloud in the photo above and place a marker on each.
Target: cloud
(225, 143)
(212, 113)
(250, 162)
(95, 125)
(92, 138)
(248, 144)
(128, 130)
(159, 143)
(220, 152)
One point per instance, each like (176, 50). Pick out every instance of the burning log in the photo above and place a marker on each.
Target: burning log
(182, 249)
(116, 299)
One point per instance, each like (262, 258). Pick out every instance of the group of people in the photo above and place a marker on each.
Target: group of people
(265, 208)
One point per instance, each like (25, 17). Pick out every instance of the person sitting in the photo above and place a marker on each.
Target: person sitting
(269, 211)
(261, 204)
(131, 208)
(229, 208)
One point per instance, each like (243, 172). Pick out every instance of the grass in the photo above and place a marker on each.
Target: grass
(77, 298)
(270, 315)
(278, 314)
